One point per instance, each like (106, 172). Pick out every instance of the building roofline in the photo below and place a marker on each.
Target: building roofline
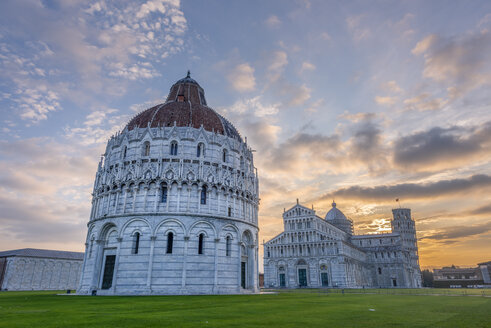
(40, 253)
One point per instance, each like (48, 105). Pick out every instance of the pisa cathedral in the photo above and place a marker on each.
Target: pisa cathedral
(316, 252)
(175, 205)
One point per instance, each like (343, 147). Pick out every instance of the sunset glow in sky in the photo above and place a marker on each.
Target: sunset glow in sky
(358, 101)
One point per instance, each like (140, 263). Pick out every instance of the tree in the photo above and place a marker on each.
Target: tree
(427, 278)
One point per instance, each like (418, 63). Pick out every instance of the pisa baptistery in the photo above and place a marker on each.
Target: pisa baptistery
(175, 205)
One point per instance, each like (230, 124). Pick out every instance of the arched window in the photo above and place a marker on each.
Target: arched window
(203, 195)
(146, 148)
(379, 270)
(229, 211)
(163, 197)
(136, 243)
(173, 148)
(224, 156)
(228, 246)
(242, 163)
(200, 243)
(125, 149)
(170, 242)
(200, 150)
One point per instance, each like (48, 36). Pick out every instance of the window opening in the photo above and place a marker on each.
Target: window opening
(136, 242)
(200, 244)
(170, 242)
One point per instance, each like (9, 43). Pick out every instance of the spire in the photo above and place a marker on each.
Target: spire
(189, 74)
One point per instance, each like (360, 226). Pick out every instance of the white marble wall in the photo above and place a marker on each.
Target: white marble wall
(31, 273)
(153, 271)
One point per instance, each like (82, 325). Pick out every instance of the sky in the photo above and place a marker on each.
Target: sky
(360, 102)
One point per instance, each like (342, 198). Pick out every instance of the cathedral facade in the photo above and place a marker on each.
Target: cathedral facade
(316, 252)
(175, 205)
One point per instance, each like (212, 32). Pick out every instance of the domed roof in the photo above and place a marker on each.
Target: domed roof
(185, 106)
(335, 214)
(187, 79)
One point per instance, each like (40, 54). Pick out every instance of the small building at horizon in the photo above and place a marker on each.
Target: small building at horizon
(463, 277)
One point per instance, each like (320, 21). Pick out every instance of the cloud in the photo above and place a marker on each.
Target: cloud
(414, 190)
(35, 103)
(391, 86)
(440, 148)
(300, 149)
(367, 143)
(459, 232)
(97, 127)
(306, 66)
(133, 72)
(357, 29)
(273, 21)
(296, 95)
(254, 106)
(385, 101)
(95, 47)
(424, 102)
(279, 60)
(358, 117)
(316, 154)
(242, 78)
(325, 36)
(483, 210)
(423, 45)
(42, 222)
(461, 62)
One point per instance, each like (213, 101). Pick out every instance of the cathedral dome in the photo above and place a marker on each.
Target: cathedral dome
(338, 219)
(335, 214)
(185, 106)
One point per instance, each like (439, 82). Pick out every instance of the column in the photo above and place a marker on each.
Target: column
(145, 199)
(255, 278)
(169, 194)
(125, 200)
(184, 262)
(83, 269)
(92, 210)
(135, 191)
(116, 265)
(199, 198)
(179, 189)
(218, 201)
(116, 204)
(239, 258)
(215, 284)
(150, 262)
(157, 198)
(97, 266)
(106, 199)
(189, 198)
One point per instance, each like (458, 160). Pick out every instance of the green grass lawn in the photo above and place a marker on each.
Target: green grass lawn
(308, 308)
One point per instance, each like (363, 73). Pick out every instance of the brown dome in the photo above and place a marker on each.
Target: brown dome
(185, 106)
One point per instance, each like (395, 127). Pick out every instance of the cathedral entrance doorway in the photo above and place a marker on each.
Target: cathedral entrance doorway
(302, 277)
(302, 273)
(282, 280)
(324, 279)
(324, 276)
(107, 277)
